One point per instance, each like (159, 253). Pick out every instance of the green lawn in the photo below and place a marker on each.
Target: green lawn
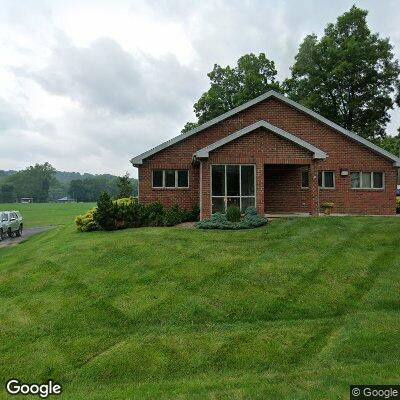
(299, 309)
(41, 214)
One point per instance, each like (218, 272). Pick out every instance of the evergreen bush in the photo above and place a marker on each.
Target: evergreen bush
(233, 213)
(251, 219)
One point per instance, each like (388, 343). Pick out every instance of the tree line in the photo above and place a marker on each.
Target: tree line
(43, 183)
(349, 76)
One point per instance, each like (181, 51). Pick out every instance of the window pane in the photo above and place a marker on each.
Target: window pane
(247, 180)
(329, 179)
(304, 179)
(183, 178)
(378, 180)
(169, 178)
(232, 180)
(157, 179)
(320, 178)
(230, 201)
(355, 179)
(218, 180)
(247, 202)
(218, 204)
(366, 180)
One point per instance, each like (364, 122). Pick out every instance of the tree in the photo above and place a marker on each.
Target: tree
(7, 193)
(348, 75)
(105, 212)
(124, 186)
(230, 87)
(34, 181)
(391, 144)
(189, 126)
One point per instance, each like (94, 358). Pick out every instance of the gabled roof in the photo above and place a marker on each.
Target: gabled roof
(139, 159)
(317, 153)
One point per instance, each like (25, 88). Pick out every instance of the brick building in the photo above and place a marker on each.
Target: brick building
(274, 154)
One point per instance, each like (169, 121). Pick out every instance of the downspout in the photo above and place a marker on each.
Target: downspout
(201, 190)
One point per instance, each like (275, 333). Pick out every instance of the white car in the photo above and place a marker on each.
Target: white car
(11, 223)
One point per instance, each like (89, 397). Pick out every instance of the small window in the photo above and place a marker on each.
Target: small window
(305, 179)
(367, 180)
(183, 180)
(355, 180)
(171, 178)
(326, 179)
(378, 180)
(158, 178)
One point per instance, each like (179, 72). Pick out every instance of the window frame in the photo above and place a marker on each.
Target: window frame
(323, 180)
(163, 179)
(302, 171)
(372, 180)
(225, 196)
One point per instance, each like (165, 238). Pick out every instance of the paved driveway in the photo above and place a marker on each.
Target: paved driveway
(26, 233)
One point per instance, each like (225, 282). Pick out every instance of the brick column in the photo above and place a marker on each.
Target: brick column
(314, 191)
(260, 188)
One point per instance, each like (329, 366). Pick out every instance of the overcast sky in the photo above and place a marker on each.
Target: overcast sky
(86, 85)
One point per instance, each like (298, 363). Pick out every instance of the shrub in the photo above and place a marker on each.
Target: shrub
(250, 220)
(86, 223)
(129, 213)
(398, 205)
(327, 204)
(233, 213)
(106, 213)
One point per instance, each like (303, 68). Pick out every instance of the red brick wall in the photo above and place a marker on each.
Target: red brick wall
(283, 191)
(343, 153)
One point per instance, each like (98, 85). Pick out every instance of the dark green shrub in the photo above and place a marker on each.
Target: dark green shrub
(129, 213)
(233, 213)
(105, 214)
(250, 220)
(398, 205)
(153, 214)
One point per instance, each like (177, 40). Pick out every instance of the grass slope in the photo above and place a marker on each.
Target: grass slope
(297, 310)
(41, 214)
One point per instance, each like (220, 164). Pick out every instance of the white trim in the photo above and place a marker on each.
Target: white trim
(372, 180)
(138, 160)
(163, 179)
(323, 180)
(201, 191)
(225, 197)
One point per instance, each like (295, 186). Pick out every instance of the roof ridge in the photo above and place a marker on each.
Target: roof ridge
(271, 93)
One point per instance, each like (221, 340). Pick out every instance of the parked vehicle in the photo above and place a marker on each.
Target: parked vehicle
(398, 190)
(11, 224)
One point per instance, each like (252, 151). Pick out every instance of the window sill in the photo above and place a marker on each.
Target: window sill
(369, 189)
(170, 188)
(304, 188)
(324, 188)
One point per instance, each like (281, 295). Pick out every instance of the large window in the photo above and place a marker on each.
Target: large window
(170, 178)
(326, 179)
(367, 180)
(232, 184)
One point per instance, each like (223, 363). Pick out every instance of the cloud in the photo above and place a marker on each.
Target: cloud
(88, 84)
(106, 77)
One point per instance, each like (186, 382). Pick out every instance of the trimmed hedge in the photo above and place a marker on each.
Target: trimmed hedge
(129, 213)
(398, 205)
(250, 220)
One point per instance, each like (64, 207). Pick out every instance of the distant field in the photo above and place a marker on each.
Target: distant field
(299, 309)
(41, 214)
